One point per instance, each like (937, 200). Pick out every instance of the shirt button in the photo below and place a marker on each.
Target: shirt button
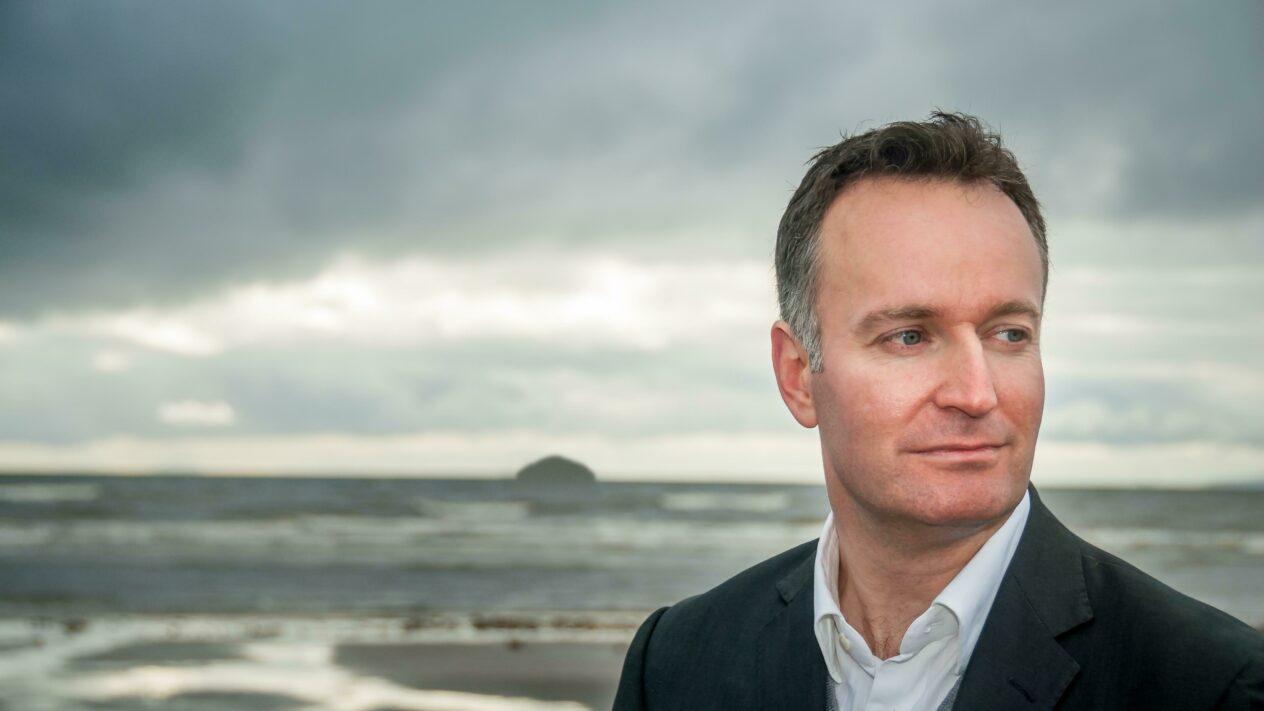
(846, 644)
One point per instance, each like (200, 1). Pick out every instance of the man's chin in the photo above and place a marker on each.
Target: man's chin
(968, 498)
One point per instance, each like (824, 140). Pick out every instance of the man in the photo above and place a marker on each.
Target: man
(911, 271)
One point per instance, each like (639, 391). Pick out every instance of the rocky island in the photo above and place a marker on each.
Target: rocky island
(556, 470)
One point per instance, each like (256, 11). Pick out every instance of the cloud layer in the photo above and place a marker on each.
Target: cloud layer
(155, 152)
(424, 221)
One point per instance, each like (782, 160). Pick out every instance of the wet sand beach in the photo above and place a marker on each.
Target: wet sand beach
(587, 673)
(256, 664)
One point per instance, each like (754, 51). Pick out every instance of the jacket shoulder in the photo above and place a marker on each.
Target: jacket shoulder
(711, 635)
(1158, 641)
(1120, 590)
(754, 592)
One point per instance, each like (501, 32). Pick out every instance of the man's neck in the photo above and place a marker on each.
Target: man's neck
(890, 573)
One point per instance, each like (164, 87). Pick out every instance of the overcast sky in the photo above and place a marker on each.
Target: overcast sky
(451, 238)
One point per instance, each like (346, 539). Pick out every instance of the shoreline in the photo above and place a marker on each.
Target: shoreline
(533, 660)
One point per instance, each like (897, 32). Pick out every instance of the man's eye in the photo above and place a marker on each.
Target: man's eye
(907, 338)
(1020, 335)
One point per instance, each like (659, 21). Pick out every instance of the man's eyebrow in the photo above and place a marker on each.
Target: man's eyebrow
(1013, 308)
(921, 312)
(911, 312)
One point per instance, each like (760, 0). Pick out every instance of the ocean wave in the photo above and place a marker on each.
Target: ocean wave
(228, 535)
(418, 538)
(26, 535)
(481, 542)
(62, 639)
(472, 510)
(324, 685)
(1137, 538)
(48, 493)
(725, 501)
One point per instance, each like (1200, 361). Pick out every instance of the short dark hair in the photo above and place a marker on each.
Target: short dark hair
(948, 146)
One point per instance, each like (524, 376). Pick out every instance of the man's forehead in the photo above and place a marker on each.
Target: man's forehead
(876, 207)
(936, 245)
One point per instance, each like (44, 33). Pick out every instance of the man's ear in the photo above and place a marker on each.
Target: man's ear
(794, 377)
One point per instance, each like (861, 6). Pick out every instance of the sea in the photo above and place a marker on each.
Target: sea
(114, 588)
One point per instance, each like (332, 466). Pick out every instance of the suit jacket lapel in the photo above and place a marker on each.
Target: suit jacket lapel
(1017, 662)
(790, 671)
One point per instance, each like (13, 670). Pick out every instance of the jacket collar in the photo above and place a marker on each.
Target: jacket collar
(790, 671)
(1017, 662)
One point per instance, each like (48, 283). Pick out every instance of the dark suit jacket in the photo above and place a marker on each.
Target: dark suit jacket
(1072, 627)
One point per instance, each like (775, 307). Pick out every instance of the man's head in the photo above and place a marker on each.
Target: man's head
(911, 268)
(950, 146)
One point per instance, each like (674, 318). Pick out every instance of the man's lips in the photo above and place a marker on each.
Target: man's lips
(960, 447)
(962, 452)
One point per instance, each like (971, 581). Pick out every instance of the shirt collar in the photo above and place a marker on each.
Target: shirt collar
(968, 596)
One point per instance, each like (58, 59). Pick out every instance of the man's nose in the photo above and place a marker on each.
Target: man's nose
(967, 381)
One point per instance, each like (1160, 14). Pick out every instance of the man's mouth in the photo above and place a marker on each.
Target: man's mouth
(962, 451)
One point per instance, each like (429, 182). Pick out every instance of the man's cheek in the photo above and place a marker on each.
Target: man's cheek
(1024, 395)
(889, 396)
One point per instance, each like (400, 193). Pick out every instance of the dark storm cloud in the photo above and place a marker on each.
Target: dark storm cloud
(99, 103)
(1167, 90)
(156, 151)
(96, 99)
(152, 150)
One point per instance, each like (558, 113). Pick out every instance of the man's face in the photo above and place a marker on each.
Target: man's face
(926, 345)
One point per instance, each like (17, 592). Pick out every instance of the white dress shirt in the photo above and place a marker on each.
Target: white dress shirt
(937, 645)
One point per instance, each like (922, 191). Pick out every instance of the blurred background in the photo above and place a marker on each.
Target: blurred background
(289, 292)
